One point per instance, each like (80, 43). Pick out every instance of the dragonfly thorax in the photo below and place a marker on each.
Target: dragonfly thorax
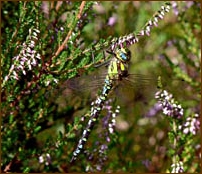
(118, 67)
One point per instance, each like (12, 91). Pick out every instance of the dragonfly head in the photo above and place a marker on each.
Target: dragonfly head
(123, 54)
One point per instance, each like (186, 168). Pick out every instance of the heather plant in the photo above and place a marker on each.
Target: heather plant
(53, 59)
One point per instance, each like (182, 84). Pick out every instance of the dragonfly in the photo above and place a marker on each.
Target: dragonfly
(117, 71)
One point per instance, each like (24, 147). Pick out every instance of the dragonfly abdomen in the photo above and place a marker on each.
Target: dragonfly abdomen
(94, 114)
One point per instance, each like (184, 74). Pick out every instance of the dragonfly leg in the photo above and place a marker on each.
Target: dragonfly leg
(105, 63)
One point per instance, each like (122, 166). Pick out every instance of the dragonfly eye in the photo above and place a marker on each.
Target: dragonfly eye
(123, 54)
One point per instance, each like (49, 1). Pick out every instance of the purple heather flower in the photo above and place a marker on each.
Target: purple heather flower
(177, 167)
(169, 105)
(153, 111)
(48, 159)
(101, 145)
(191, 125)
(41, 159)
(146, 163)
(112, 20)
(26, 59)
(45, 159)
(175, 8)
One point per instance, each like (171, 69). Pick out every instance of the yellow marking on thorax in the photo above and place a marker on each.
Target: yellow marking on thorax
(113, 70)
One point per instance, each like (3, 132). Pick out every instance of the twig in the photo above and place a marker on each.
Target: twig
(70, 32)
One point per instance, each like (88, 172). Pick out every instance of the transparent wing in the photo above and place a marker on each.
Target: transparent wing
(84, 84)
(87, 86)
